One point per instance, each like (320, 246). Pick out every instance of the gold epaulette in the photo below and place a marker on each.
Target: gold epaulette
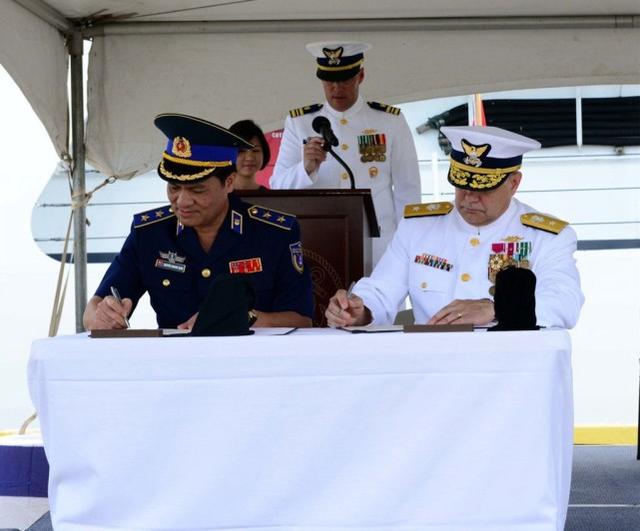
(421, 210)
(282, 220)
(301, 111)
(152, 216)
(384, 107)
(543, 222)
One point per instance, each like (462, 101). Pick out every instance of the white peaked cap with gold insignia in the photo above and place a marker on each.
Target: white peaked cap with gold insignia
(338, 60)
(483, 157)
(504, 144)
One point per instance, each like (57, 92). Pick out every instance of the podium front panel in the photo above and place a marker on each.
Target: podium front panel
(335, 239)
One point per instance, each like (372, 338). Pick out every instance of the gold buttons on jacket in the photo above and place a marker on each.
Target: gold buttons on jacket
(423, 285)
(345, 176)
(166, 283)
(344, 121)
(344, 147)
(465, 277)
(206, 272)
(474, 242)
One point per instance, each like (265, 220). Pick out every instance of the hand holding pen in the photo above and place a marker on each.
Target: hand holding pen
(347, 309)
(116, 296)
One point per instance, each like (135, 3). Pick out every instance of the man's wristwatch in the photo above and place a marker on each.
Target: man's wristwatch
(253, 317)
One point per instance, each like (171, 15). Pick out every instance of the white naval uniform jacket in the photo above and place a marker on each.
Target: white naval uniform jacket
(449, 238)
(393, 183)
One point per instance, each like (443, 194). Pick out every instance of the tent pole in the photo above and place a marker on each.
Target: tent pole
(44, 11)
(362, 24)
(78, 153)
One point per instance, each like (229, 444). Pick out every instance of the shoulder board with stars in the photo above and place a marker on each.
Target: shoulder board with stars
(384, 107)
(543, 222)
(427, 209)
(282, 220)
(152, 216)
(301, 111)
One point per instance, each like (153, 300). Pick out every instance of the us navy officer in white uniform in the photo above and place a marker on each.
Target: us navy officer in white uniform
(446, 257)
(375, 141)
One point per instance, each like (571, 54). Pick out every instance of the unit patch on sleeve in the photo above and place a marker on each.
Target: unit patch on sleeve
(421, 210)
(296, 256)
(543, 222)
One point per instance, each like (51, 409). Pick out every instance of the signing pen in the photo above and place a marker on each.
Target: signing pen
(350, 290)
(116, 296)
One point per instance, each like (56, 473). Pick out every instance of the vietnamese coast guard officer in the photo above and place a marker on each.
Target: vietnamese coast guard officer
(175, 252)
(447, 257)
(375, 141)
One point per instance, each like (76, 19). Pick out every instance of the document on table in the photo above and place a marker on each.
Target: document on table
(275, 331)
(407, 328)
(372, 329)
(173, 332)
(439, 328)
(138, 332)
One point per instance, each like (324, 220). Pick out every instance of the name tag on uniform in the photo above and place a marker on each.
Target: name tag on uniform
(171, 261)
(245, 267)
(168, 266)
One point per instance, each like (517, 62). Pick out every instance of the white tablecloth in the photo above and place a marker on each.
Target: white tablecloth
(317, 430)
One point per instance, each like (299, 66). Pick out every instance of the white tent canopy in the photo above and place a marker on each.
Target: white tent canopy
(226, 77)
(230, 59)
(33, 53)
(235, 59)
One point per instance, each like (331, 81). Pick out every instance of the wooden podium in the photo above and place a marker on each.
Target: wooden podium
(337, 227)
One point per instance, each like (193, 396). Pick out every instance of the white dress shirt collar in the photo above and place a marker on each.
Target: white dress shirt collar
(349, 113)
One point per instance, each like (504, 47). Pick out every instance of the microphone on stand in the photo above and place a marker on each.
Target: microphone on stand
(322, 126)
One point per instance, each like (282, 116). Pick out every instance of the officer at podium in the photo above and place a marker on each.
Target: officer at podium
(175, 252)
(446, 257)
(374, 141)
